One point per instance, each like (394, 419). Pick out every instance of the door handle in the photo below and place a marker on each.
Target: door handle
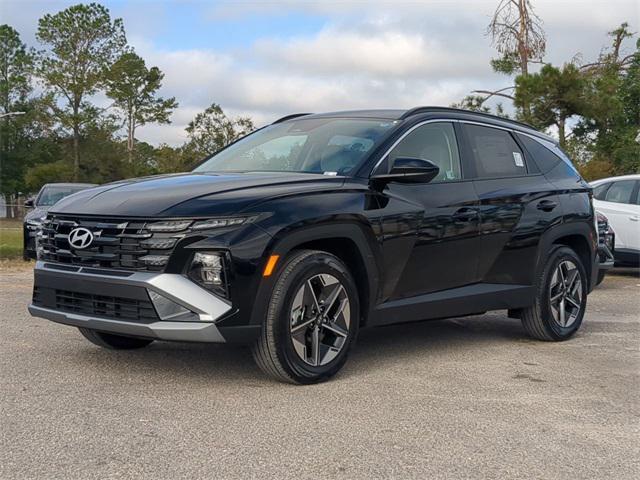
(465, 214)
(634, 218)
(546, 205)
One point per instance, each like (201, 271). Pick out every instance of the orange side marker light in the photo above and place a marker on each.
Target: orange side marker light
(271, 265)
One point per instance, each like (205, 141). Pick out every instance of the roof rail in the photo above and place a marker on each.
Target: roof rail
(289, 117)
(417, 110)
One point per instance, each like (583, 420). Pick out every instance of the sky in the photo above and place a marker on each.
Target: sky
(266, 59)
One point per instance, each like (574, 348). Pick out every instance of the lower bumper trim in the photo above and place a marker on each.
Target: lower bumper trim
(163, 330)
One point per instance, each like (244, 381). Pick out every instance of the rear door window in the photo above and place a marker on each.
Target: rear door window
(620, 192)
(495, 152)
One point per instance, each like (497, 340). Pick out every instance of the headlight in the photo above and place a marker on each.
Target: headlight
(34, 223)
(221, 222)
(207, 270)
(169, 226)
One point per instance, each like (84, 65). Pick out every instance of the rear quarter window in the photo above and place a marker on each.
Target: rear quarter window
(541, 155)
(600, 191)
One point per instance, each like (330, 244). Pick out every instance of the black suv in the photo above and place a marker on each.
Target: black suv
(299, 234)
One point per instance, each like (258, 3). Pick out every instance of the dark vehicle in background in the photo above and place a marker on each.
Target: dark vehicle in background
(301, 233)
(606, 246)
(49, 194)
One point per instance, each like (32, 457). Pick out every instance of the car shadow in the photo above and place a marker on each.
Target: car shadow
(625, 272)
(376, 348)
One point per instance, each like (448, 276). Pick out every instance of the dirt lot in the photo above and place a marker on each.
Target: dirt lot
(463, 398)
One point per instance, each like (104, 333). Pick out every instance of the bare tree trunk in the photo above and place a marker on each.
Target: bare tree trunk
(76, 154)
(76, 139)
(561, 132)
(130, 142)
(523, 44)
(131, 132)
(523, 38)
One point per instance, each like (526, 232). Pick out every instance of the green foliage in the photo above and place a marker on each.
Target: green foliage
(553, 96)
(63, 135)
(82, 42)
(212, 130)
(612, 123)
(22, 141)
(478, 103)
(508, 64)
(168, 159)
(630, 89)
(15, 69)
(134, 88)
(59, 171)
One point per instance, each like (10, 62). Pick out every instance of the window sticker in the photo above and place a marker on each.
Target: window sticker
(517, 157)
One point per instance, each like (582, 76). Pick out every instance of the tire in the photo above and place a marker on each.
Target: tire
(601, 274)
(297, 345)
(546, 322)
(113, 342)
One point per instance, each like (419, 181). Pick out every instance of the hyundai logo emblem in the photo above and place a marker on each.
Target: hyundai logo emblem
(80, 238)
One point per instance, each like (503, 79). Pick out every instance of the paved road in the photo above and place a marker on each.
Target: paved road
(464, 398)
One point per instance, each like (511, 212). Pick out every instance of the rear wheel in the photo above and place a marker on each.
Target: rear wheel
(561, 298)
(312, 319)
(113, 342)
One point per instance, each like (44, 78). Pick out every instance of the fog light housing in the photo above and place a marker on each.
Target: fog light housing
(207, 270)
(169, 310)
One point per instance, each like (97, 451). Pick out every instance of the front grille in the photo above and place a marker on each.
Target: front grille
(127, 309)
(117, 243)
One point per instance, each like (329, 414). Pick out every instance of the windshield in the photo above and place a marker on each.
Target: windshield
(52, 194)
(333, 146)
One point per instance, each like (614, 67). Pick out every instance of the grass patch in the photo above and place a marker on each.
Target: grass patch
(10, 239)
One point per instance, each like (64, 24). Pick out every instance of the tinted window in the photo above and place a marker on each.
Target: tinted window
(314, 145)
(542, 156)
(496, 152)
(620, 192)
(50, 195)
(600, 191)
(637, 202)
(435, 142)
(343, 150)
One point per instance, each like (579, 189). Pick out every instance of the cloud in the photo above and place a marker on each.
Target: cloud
(388, 54)
(363, 54)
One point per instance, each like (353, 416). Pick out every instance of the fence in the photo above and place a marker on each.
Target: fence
(13, 208)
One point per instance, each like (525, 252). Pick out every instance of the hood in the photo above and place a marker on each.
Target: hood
(192, 194)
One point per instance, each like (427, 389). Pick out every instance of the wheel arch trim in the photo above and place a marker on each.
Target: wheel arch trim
(288, 240)
(566, 234)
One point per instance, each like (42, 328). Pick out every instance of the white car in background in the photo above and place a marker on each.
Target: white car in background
(619, 199)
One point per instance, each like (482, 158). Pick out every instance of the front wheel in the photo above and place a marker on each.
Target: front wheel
(561, 298)
(312, 319)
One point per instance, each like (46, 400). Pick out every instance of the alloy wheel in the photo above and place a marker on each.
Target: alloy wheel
(320, 319)
(565, 293)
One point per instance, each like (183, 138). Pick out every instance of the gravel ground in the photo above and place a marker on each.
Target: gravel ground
(462, 398)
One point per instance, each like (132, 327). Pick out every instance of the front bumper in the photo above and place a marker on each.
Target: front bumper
(605, 257)
(72, 292)
(29, 241)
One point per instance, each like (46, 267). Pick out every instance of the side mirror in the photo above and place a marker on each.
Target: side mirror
(29, 203)
(409, 170)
